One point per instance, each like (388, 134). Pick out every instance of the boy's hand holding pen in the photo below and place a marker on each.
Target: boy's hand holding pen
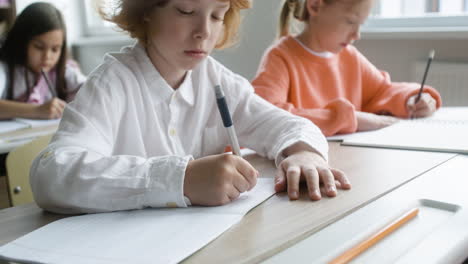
(219, 179)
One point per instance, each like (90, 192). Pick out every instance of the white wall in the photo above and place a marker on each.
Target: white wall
(257, 32)
(398, 55)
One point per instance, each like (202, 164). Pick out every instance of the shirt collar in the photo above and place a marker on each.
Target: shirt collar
(158, 87)
(186, 89)
(324, 54)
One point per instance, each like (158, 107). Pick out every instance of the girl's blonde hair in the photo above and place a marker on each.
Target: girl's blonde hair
(297, 9)
(290, 9)
(129, 16)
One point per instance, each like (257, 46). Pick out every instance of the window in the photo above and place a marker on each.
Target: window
(418, 15)
(94, 24)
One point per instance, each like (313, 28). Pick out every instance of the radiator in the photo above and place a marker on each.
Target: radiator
(449, 78)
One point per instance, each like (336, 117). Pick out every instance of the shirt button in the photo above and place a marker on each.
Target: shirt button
(172, 132)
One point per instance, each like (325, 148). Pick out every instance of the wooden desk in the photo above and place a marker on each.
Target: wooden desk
(12, 140)
(278, 223)
(437, 235)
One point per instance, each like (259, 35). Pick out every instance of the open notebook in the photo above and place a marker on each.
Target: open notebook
(138, 236)
(445, 131)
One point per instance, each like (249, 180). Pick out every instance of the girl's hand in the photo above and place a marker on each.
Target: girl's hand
(310, 167)
(219, 179)
(369, 121)
(426, 105)
(51, 110)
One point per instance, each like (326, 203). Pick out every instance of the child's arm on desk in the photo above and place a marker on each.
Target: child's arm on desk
(50, 110)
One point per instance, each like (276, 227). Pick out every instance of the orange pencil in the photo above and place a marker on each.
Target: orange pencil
(359, 248)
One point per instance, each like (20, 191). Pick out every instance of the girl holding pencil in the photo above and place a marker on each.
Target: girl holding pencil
(36, 78)
(318, 74)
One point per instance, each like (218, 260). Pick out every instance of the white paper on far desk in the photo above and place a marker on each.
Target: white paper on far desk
(21, 123)
(11, 125)
(139, 236)
(32, 123)
(445, 131)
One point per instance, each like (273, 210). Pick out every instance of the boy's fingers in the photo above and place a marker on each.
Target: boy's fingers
(240, 183)
(233, 194)
(313, 183)
(280, 180)
(342, 179)
(248, 172)
(328, 180)
(293, 176)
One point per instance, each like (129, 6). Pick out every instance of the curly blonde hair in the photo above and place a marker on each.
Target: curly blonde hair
(129, 15)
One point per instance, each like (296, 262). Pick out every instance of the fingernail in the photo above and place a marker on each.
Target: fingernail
(294, 195)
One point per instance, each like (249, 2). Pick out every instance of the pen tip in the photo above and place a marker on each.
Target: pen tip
(432, 54)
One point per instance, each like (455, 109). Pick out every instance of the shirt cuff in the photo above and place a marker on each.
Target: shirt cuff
(166, 188)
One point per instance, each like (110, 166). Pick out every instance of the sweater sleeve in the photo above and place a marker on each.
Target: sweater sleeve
(382, 96)
(273, 83)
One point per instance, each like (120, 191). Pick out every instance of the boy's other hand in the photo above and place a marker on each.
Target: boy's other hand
(219, 179)
(313, 169)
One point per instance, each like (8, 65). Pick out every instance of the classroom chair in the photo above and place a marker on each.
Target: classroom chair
(18, 162)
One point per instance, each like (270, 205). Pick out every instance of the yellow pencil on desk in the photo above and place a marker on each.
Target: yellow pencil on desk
(370, 241)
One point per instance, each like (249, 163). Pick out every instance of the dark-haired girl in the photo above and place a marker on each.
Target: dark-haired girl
(36, 77)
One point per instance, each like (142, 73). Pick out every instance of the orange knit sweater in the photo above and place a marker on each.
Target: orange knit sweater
(328, 91)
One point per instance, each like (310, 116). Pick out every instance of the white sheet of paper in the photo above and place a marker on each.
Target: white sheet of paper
(32, 123)
(11, 125)
(139, 236)
(446, 131)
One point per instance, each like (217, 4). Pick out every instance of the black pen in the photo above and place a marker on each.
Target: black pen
(51, 89)
(431, 57)
(227, 121)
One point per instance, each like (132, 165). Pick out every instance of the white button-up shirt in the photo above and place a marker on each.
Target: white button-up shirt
(125, 141)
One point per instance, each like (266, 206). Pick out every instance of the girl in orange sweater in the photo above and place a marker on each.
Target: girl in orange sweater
(319, 75)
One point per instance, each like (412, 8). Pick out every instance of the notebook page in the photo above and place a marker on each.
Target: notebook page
(139, 236)
(445, 131)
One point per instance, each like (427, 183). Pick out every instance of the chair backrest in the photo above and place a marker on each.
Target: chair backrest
(18, 162)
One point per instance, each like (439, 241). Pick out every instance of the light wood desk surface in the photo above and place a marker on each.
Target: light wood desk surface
(439, 233)
(279, 223)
